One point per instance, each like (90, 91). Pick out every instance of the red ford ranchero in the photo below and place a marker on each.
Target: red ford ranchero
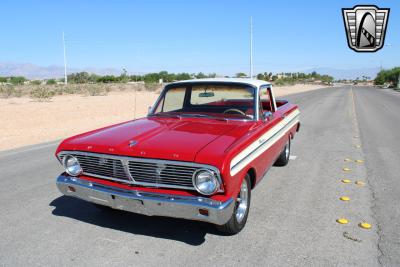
(203, 147)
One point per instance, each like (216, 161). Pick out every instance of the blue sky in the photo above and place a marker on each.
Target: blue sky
(208, 36)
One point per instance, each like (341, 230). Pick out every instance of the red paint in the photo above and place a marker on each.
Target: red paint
(200, 140)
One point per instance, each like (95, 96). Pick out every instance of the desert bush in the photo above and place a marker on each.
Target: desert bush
(69, 90)
(36, 82)
(18, 93)
(9, 91)
(96, 90)
(51, 82)
(72, 89)
(152, 87)
(42, 94)
(17, 80)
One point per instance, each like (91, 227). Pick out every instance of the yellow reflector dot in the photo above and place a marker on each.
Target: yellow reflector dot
(346, 181)
(342, 221)
(359, 161)
(344, 198)
(360, 183)
(346, 169)
(358, 146)
(365, 225)
(347, 159)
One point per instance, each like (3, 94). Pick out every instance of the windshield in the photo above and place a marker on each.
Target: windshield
(227, 101)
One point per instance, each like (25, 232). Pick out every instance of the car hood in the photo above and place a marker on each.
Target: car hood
(162, 138)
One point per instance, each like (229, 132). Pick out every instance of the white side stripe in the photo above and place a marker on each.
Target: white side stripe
(264, 142)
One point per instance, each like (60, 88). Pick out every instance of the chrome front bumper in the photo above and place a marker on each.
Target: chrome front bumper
(147, 203)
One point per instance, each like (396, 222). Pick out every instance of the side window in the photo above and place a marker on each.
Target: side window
(265, 100)
(173, 100)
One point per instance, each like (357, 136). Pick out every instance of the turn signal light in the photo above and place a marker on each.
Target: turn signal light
(71, 188)
(203, 212)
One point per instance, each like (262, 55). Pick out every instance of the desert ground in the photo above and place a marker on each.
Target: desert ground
(25, 121)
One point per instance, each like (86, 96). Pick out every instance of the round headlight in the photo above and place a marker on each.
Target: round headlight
(71, 165)
(205, 182)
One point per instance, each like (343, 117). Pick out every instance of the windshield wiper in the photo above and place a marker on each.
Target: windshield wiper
(195, 115)
(191, 115)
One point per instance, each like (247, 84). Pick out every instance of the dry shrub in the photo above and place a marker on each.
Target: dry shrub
(7, 91)
(97, 90)
(42, 94)
(152, 87)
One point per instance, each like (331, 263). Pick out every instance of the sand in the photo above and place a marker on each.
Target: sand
(24, 121)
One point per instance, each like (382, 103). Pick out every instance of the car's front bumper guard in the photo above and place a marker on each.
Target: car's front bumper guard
(147, 203)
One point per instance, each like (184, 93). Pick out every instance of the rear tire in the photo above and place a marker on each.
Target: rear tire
(283, 158)
(241, 211)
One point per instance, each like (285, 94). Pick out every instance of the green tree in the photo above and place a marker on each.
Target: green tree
(79, 77)
(260, 76)
(201, 75)
(241, 75)
(17, 80)
(51, 81)
(388, 76)
(124, 76)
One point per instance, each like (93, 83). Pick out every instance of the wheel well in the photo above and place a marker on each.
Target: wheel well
(252, 173)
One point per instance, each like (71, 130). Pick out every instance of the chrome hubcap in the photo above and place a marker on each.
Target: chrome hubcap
(287, 150)
(242, 202)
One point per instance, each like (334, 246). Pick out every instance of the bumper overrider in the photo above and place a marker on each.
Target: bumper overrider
(151, 204)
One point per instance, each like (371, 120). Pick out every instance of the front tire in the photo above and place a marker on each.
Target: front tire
(239, 217)
(283, 158)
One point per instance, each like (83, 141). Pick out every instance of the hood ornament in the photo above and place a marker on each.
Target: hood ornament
(132, 143)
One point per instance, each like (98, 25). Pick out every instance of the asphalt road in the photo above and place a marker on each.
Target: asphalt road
(292, 219)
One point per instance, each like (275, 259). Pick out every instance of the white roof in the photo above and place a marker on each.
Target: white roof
(253, 82)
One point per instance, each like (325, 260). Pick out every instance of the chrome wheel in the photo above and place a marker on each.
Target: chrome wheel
(242, 202)
(287, 150)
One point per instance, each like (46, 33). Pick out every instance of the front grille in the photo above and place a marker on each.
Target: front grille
(163, 174)
(101, 167)
(106, 167)
(145, 172)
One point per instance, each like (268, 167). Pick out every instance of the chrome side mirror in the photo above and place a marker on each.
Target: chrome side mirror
(268, 115)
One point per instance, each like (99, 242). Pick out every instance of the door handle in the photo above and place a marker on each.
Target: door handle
(283, 116)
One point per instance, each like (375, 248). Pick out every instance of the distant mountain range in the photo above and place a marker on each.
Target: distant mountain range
(32, 71)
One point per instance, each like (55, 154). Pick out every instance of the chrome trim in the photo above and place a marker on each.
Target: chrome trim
(125, 163)
(257, 104)
(273, 100)
(151, 204)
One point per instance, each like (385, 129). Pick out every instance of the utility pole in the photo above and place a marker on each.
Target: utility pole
(65, 62)
(251, 47)
(398, 83)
